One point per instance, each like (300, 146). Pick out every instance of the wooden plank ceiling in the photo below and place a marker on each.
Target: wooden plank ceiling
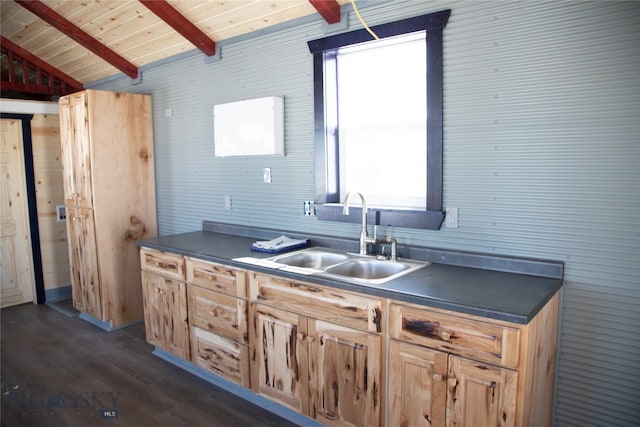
(67, 43)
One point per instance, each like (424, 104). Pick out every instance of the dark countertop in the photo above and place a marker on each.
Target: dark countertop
(503, 295)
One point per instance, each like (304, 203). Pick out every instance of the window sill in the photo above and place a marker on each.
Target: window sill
(426, 220)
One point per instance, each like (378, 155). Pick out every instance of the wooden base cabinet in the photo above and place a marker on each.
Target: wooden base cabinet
(108, 179)
(451, 369)
(165, 302)
(349, 359)
(307, 355)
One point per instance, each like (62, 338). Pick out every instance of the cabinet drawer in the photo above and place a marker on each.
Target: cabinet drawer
(475, 338)
(218, 313)
(330, 304)
(221, 356)
(218, 277)
(164, 263)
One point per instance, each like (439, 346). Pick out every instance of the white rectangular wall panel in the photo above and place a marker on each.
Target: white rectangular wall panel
(249, 128)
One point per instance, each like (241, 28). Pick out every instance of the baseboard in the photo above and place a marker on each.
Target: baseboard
(57, 294)
(237, 390)
(105, 325)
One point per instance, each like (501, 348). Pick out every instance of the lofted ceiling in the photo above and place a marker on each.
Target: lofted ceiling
(69, 43)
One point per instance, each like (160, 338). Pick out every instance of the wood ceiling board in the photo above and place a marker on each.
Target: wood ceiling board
(238, 22)
(160, 48)
(91, 71)
(14, 18)
(24, 28)
(111, 28)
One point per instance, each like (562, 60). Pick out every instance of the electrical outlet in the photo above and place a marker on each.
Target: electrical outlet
(266, 175)
(309, 209)
(227, 202)
(451, 219)
(61, 213)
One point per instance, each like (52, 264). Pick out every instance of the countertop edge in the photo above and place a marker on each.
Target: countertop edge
(354, 287)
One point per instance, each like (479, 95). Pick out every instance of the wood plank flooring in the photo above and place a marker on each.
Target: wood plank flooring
(62, 371)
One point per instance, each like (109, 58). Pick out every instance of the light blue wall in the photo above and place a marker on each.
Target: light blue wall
(541, 156)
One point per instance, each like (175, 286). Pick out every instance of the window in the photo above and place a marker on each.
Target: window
(378, 121)
(382, 118)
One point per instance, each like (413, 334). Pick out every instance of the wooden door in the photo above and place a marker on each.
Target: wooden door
(417, 386)
(279, 356)
(85, 278)
(76, 150)
(480, 395)
(16, 261)
(165, 314)
(345, 375)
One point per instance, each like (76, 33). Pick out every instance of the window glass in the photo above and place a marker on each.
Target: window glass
(381, 104)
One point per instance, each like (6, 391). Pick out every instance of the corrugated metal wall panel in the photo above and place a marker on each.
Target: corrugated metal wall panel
(599, 347)
(541, 156)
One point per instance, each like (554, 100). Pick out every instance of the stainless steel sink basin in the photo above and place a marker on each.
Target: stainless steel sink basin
(368, 268)
(347, 266)
(317, 258)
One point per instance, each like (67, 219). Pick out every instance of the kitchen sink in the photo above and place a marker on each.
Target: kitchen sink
(368, 269)
(347, 266)
(317, 258)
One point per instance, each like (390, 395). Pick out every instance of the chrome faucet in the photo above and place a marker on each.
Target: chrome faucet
(364, 236)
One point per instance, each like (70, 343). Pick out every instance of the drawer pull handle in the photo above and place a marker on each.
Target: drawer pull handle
(299, 336)
(445, 336)
(309, 339)
(452, 382)
(437, 377)
(160, 291)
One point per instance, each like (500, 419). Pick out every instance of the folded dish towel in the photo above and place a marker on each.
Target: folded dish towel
(279, 244)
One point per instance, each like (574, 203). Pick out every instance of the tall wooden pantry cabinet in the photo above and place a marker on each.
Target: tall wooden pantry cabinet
(109, 186)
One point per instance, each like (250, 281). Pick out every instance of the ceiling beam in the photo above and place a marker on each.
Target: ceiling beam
(189, 31)
(71, 30)
(329, 9)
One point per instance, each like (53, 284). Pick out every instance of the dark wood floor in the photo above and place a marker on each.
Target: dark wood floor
(62, 371)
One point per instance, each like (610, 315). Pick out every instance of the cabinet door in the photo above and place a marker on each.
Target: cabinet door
(417, 386)
(76, 154)
(480, 395)
(165, 314)
(344, 375)
(279, 356)
(85, 279)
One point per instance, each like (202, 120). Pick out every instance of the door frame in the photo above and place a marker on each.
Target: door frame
(36, 254)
